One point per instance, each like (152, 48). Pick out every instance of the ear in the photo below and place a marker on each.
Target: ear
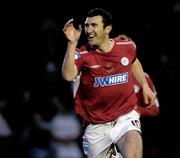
(108, 29)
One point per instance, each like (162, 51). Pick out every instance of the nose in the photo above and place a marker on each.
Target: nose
(88, 29)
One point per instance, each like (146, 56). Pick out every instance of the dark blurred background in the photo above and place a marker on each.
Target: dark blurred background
(33, 48)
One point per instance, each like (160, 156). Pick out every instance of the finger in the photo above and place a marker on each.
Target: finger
(153, 101)
(80, 28)
(146, 100)
(68, 23)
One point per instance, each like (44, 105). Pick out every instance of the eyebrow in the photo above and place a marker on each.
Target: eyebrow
(86, 24)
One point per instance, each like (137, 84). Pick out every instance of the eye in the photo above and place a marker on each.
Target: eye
(94, 25)
(86, 25)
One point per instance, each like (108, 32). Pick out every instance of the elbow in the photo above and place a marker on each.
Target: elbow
(67, 77)
(68, 74)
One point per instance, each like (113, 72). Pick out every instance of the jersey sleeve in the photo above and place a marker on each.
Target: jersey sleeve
(79, 58)
(135, 51)
(130, 45)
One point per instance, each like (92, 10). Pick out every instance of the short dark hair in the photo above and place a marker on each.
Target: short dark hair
(106, 16)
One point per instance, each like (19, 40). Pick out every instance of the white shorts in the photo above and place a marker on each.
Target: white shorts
(98, 138)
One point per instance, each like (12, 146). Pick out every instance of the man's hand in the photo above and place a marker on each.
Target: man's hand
(70, 32)
(149, 97)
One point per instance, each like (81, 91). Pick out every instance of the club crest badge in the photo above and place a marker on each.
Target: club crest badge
(136, 88)
(124, 61)
(77, 55)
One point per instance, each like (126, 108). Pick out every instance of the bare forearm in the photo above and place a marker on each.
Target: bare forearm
(139, 73)
(149, 96)
(69, 70)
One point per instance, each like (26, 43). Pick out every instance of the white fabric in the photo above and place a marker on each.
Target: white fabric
(66, 127)
(98, 138)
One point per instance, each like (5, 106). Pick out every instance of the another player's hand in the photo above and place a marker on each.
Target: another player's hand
(122, 36)
(70, 32)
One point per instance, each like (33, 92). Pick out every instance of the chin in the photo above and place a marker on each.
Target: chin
(91, 43)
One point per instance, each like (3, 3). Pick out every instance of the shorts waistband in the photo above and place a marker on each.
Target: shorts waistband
(123, 117)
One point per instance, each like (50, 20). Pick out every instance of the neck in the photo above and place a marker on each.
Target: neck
(106, 46)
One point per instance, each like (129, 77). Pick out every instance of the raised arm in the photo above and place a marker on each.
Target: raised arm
(149, 96)
(69, 69)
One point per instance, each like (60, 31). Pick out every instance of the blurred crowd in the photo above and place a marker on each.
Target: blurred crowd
(37, 118)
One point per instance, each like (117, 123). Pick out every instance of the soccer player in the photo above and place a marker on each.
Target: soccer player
(143, 110)
(106, 94)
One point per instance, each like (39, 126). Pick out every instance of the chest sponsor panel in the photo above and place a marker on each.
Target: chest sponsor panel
(111, 80)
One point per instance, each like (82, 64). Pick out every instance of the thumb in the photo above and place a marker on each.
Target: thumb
(146, 100)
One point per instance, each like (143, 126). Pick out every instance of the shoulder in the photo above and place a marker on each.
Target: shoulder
(82, 51)
(124, 41)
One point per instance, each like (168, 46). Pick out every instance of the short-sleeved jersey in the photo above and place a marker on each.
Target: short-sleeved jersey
(141, 107)
(106, 88)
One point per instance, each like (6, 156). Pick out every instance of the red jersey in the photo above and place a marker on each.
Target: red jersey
(141, 107)
(106, 88)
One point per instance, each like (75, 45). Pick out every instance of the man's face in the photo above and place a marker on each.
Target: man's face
(94, 30)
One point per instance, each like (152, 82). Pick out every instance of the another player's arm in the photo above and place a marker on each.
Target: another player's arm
(69, 69)
(121, 36)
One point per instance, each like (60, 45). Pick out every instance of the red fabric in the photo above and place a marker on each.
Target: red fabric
(141, 107)
(106, 87)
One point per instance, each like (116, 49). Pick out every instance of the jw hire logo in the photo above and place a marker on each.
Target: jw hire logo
(111, 80)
